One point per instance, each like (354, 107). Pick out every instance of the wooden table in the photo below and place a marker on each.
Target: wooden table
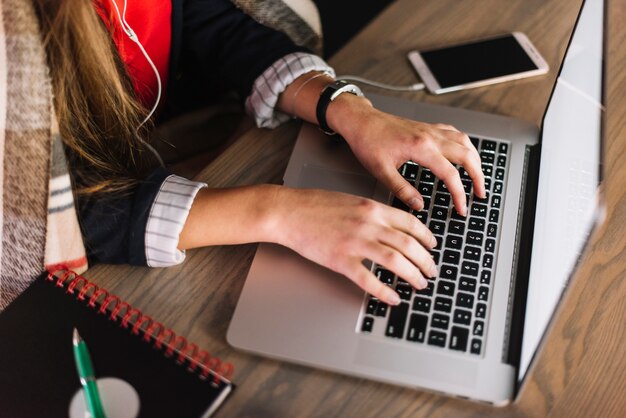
(581, 371)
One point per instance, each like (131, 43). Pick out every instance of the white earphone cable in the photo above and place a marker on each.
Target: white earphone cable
(412, 87)
(133, 37)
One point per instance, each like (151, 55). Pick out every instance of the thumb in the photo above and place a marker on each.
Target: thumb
(401, 188)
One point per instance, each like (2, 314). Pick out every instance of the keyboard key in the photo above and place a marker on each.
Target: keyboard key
(451, 257)
(381, 309)
(475, 346)
(492, 230)
(445, 288)
(422, 216)
(495, 201)
(397, 203)
(454, 241)
(439, 240)
(487, 157)
(448, 272)
(490, 245)
(479, 210)
(497, 187)
(469, 268)
(494, 215)
(458, 338)
(488, 261)
(404, 291)
(372, 306)
(368, 324)
(425, 189)
(427, 176)
(440, 321)
(428, 290)
(435, 255)
(442, 199)
(488, 145)
(421, 304)
(417, 328)
(397, 320)
(426, 203)
(479, 328)
(439, 213)
(487, 170)
(437, 338)
(474, 238)
(456, 215)
(499, 174)
(467, 185)
(503, 148)
(472, 253)
(467, 284)
(487, 184)
(441, 187)
(476, 224)
(437, 227)
(501, 161)
(474, 141)
(409, 172)
(483, 293)
(385, 275)
(464, 300)
(463, 317)
(464, 174)
(443, 304)
(481, 310)
(485, 277)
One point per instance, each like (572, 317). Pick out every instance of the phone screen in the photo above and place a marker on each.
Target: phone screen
(478, 61)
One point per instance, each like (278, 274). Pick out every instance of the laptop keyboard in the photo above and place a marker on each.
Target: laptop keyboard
(451, 313)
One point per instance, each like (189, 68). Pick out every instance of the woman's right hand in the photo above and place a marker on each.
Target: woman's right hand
(339, 231)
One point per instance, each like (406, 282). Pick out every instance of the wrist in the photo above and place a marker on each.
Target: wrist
(345, 115)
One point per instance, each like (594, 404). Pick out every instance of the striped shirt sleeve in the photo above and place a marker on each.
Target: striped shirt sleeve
(166, 220)
(261, 103)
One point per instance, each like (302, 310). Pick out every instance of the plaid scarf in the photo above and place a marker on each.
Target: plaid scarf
(38, 221)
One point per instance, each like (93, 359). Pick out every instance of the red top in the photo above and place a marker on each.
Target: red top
(152, 25)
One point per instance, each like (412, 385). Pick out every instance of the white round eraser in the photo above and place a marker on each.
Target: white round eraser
(119, 399)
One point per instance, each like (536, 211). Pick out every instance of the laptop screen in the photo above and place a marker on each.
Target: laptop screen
(568, 177)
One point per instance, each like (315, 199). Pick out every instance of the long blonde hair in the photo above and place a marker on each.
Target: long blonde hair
(94, 100)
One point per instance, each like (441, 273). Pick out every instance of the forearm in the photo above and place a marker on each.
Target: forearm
(230, 216)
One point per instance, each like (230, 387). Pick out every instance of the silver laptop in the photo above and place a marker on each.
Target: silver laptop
(475, 330)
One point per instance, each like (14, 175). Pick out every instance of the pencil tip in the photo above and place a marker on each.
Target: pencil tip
(76, 338)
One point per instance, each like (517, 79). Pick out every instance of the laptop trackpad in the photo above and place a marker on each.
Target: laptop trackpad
(314, 177)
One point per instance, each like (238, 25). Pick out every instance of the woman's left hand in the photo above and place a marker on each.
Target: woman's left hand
(383, 142)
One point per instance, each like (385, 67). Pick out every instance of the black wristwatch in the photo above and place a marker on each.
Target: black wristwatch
(330, 93)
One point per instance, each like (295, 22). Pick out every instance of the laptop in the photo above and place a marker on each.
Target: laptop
(475, 330)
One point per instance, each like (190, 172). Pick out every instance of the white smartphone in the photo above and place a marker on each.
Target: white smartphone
(478, 63)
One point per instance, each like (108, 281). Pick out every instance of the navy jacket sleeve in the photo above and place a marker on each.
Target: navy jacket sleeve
(114, 227)
(216, 48)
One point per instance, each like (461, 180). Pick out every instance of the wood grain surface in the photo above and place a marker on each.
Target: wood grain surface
(581, 371)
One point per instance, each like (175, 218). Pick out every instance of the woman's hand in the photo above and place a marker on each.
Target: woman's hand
(339, 231)
(383, 142)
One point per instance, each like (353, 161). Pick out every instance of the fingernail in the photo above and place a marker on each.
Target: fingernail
(423, 282)
(463, 210)
(394, 299)
(433, 242)
(433, 271)
(416, 203)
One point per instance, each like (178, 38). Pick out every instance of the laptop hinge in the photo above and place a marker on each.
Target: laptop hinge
(521, 259)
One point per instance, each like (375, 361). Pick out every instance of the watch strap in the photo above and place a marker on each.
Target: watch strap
(328, 95)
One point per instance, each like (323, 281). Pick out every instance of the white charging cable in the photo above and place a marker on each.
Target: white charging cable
(133, 37)
(412, 87)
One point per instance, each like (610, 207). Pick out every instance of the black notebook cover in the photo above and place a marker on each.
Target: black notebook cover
(38, 376)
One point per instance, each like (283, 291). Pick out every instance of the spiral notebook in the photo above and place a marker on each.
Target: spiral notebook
(172, 378)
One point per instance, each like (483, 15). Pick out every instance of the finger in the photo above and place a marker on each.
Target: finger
(409, 224)
(446, 127)
(396, 262)
(470, 160)
(443, 169)
(411, 249)
(366, 280)
(401, 188)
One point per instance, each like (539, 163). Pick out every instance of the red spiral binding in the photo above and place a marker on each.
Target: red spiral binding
(129, 316)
